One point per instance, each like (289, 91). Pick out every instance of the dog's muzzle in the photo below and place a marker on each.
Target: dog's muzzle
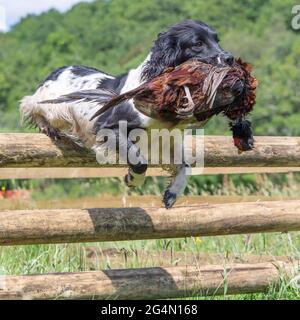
(222, 59)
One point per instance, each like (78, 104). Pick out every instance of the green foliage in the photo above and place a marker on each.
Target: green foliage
(123, 30)
(205, 185)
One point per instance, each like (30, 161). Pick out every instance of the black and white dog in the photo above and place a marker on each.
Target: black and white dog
(183, 41)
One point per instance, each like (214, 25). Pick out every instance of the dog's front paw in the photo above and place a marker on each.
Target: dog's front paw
(169, 199)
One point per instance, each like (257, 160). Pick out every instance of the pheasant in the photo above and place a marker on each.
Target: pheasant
(193, 89)
(192, 92)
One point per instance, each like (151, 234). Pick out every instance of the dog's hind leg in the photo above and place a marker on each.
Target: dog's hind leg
(33, 115)
(47, 117)
(137, 171)
(46, 128)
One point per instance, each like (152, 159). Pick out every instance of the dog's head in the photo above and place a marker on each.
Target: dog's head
(183, 41)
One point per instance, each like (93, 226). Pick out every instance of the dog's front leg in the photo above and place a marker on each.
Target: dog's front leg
(177, 185)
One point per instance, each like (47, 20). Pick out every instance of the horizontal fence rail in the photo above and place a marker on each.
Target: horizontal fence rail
(147, 283)
(37, 150)
(114, 224)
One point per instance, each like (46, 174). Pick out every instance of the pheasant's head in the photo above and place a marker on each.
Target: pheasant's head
(242, 135)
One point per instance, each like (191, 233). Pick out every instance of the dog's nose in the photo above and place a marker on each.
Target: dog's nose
(222, 59)
(228, 59)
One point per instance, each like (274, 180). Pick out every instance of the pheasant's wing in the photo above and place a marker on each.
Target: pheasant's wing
(117, 100)
(146, 88)
(99, 96)
(103, 97)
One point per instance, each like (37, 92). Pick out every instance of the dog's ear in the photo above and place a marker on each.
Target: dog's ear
(164, 54)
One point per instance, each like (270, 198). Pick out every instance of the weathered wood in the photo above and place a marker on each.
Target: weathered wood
(37, 150)
(67, 173)
(114, 224)
(269, 151)
(147, 283)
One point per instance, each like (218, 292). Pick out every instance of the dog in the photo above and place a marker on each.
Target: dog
(181, 42)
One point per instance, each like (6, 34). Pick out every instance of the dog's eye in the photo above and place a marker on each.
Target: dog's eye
(199, 43)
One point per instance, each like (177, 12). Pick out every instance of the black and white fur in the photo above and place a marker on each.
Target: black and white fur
(185, 40)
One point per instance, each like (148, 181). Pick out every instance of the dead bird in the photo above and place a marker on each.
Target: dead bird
(193, 89)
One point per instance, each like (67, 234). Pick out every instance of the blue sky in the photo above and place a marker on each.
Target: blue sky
(12, 10)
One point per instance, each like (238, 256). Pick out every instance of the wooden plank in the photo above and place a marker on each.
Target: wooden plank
(68, 173)
(147, 283)
(115, 224)
(37, 150)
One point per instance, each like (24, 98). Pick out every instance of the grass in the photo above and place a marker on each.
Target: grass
(72, 257)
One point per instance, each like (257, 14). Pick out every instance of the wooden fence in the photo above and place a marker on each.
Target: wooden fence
(271, 154)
